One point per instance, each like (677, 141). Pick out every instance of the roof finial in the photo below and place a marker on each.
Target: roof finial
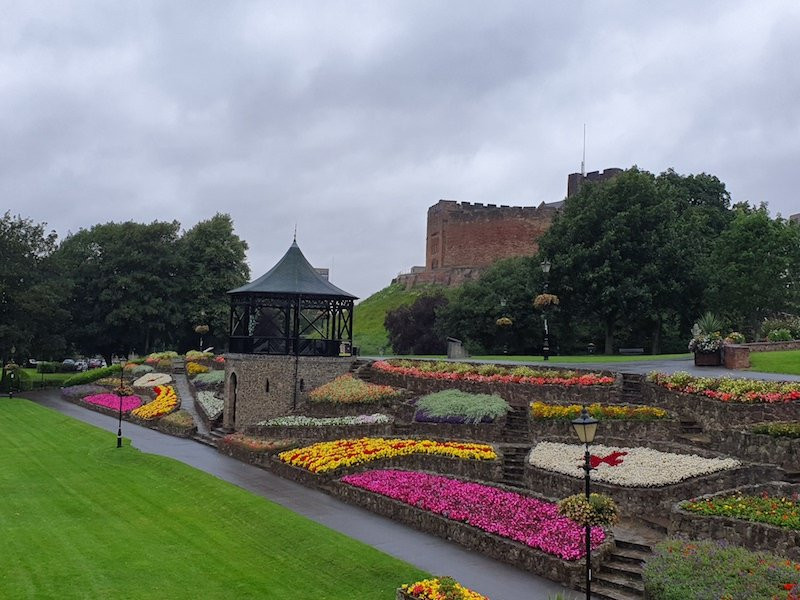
(295, 233)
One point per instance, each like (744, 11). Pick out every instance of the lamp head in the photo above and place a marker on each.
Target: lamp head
(545, 264)
(585, 426)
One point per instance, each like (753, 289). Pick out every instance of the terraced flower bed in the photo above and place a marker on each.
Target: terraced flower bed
(324, 457)
(347, 389)
(324, 428)
(762, 443)
(437, 588)
(113, 402)
(522, 529)
(517, 385)
(729, 389)
(762, 517)
(710, 570)
(211, 404)
(165, 402)
(640, 480)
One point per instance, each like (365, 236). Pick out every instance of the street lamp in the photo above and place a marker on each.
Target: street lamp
(545, 265)
(119, 395)
(586, 426)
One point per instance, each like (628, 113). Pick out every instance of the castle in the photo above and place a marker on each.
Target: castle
(463, 238)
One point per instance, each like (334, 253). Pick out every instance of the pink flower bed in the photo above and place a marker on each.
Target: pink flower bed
(112, 401)
(521, 518)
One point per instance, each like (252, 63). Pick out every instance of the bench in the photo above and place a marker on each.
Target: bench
(631, 351)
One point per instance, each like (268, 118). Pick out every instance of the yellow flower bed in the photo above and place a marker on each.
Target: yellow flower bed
(166, 401)
(541, 410)
(193, 368)
(327, 456)
(440, 589)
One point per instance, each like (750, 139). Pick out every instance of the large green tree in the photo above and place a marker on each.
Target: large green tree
(126, 282)
(754, 269)
(32, 316)
(214, 263)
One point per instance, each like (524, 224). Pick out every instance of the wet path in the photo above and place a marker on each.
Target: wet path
(433, 554)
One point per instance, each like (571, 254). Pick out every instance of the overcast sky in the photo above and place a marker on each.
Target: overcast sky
(350, 119)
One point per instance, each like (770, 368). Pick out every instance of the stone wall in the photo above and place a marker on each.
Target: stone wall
(652, 502)
(773, 346)
(320, 433)
(569, 573)
(485, 432)
(717, 415)
(754, 536)
(265, 385)
(516, 394)
(758, 447)
(632, 430)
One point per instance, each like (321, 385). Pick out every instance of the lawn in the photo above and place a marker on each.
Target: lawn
(83, 519)
(787, 362)
(51, 379)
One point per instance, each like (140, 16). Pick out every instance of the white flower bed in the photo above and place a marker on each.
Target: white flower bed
(153, 379)
(639, 467)
(211, 404)
(301, 421)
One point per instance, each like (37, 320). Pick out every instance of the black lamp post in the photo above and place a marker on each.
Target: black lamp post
(545, 264)
(121, 384)
(586, 426)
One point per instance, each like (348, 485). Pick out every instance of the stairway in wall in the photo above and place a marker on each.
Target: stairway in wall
(516, 430)
(514, 464)
(620, 575)
(631, 388)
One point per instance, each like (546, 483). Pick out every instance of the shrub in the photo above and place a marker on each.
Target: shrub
(47, 367)
(599, 511)
(194, 368)
(346, 389)
(472, 408)
(210, 379)
(790, 322)
(91, 375)
(790, 430)
(139, 370)
(703, 570)
(779, 335)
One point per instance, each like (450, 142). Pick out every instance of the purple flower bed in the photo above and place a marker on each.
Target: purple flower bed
(112, 401)
(79, 391)
(524, 519)
(422, 417)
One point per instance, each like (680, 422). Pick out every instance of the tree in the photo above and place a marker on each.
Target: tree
(617, 256)
(411, 327)
(754, 269)
(31, 313)
(125, 281)
(215, 262)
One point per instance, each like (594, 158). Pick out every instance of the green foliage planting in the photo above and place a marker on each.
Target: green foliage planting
(347, 389)
(47, 367)
(125, 524)
(789, 430)
(210, 378)
(790, 322)
(704, 570)
(473, 408)
(599, 510)
(139, 370)
(781, 511)
(779, 335)
(91, 375)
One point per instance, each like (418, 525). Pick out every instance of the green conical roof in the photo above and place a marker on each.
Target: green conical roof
(293, 274)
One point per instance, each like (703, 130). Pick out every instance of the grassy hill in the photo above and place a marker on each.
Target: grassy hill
(369, 334)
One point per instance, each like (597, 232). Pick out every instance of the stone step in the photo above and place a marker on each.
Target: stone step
(605, 592)
(621, 582)
(626, 545)
(791, 476)
(698, 439)
(632, 557)
(205, 439)
(622, 567)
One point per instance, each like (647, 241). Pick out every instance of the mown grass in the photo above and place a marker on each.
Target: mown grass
(787, 362)
(83, 519)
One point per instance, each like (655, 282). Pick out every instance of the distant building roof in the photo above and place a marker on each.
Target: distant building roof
(293, 274)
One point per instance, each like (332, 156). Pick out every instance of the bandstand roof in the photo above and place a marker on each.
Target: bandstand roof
(293, 274)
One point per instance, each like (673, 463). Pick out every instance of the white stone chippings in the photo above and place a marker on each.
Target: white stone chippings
(640, 467)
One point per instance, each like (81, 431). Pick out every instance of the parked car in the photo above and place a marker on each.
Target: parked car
(81, 365)
(96, 363)
(68, 364)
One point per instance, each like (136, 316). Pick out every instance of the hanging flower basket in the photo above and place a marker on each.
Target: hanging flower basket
(544, 300)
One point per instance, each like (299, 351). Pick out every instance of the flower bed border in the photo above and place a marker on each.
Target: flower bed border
(750, 534)
(758, 447)
(715, 414)
(655, 501)
(320, 433)
(570, 573)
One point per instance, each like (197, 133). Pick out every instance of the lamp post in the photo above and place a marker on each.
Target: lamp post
(121, 384)
(545, 265)
(585, 426)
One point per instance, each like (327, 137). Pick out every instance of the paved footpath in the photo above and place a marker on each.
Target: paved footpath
(435, 555)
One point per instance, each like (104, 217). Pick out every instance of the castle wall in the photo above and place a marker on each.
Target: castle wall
(461, 234)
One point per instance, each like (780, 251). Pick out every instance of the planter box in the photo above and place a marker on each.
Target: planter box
(707, 359)
(652, 502)
(717, 415)
(753, 536)
(569, 573)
